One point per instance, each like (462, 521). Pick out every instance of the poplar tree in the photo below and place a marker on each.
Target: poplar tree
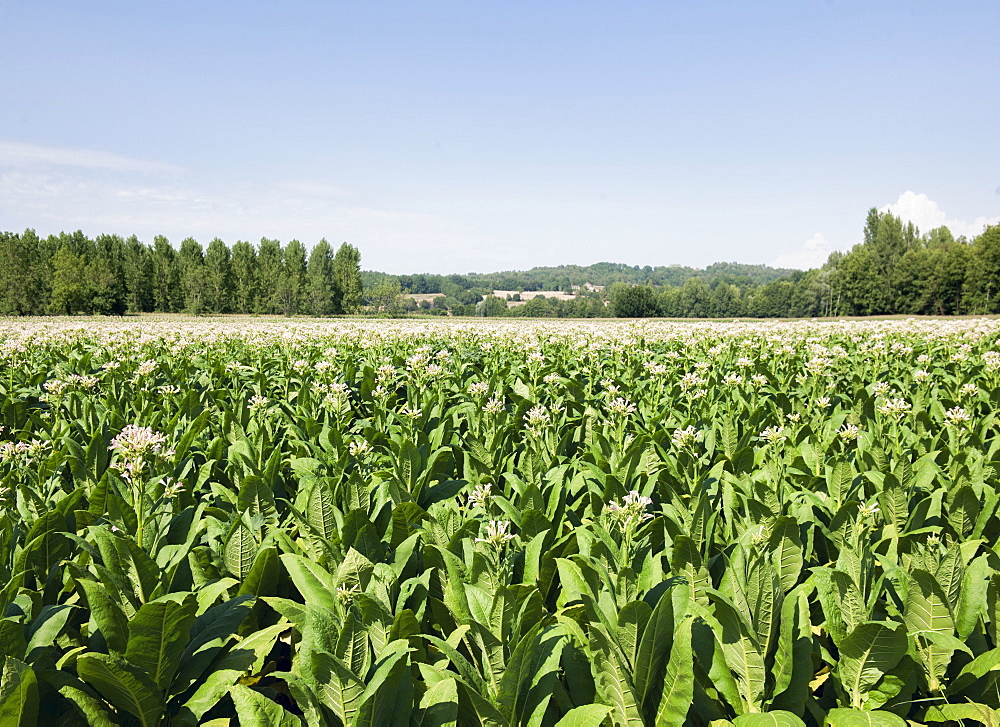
(347, 279)
(319, 280)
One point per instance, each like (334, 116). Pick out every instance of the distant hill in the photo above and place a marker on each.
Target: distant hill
(564, 277)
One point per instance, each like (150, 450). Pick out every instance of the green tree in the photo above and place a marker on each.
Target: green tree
(218, 277)
(243, 265)
(22, 286)
(105, 276)
(491, 307)
(269, 264)
(292, 280)
(984, 272)
(633, 301)
(138, 276)
(386, 297)
(69, 289)
(191, 261)
(347, 279)
(168, 296)
(319, 280)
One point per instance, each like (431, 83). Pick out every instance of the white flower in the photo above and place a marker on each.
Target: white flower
(691, 381)
(478, 388)
(359, 448)
(136, 440)
(631, 511)
(494, 405)
(773, 435)
(537, 417)
(480, 496)
(621, 407)
(684, 438)
(957, 417)
(881, 388)
(849, 432)
(895, 408)
(410, 412)
(497, 534)
(172, 488)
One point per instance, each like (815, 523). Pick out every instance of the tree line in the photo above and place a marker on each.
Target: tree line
(71, 273)
(895, 270)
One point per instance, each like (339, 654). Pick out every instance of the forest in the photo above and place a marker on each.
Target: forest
(894, 270)
(68, 274)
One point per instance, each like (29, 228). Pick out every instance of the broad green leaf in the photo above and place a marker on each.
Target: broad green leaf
(871, 650)
(973, 712)
(845, 717)
(253, 708)
(240, 550)
(158, 635)
(439, 705)
(678, 685)
(18, 694)
(589, 715)
(123, 685)
(776, 718)
(106, 614)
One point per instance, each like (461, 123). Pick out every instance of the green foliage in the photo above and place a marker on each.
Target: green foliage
(593, 524)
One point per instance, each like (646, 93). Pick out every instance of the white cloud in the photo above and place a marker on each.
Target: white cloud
(812, 254)
(53, 190)
(927, 215)
(20, 155)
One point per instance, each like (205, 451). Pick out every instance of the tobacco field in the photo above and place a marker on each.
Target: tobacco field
(262, 522)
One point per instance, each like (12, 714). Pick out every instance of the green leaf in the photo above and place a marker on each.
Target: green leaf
(439, 705)
(125, 687)
(776, 718)
(159, 634)
(253, 708)
(106, 614)
(388, 698)
(678, 687)
(589, 715)
(613, 681)
(240, 550)
(245, 657)
(46, 628)
(786, 551)
(18, 694)
(974, 712)
(210, 633)
(316, 585)
(844, 717)
(793, 667)
(926, 614)
(256, 498)
(871, 650)
(654, 646)
(337, 686)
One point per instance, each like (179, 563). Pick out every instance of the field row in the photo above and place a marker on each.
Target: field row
(379, 523)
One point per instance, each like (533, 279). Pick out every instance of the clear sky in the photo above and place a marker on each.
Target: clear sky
(447, 136)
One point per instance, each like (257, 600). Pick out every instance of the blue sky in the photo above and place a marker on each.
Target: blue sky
(476, 136)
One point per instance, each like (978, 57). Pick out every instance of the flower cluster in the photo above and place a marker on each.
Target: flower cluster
(137, 447)
(497, 534)
(684, 438)
(631, 512)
